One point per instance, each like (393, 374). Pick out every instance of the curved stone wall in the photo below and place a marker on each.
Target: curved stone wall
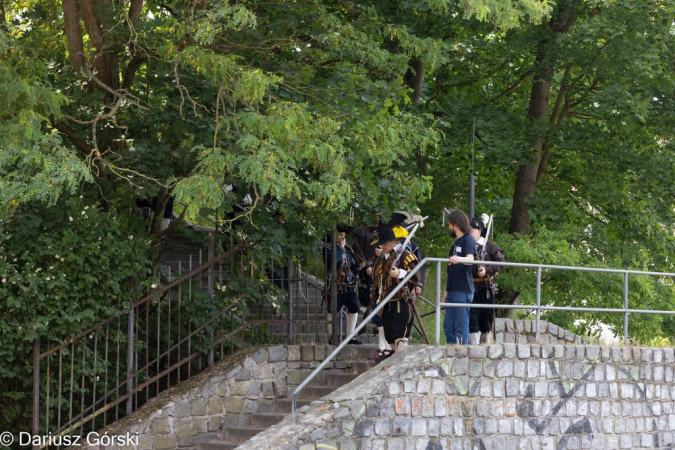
(503, 396)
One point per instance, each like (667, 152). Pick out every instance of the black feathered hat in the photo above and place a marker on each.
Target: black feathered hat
(383, 236)
(397, 218)
(477, 224)
(344, 228)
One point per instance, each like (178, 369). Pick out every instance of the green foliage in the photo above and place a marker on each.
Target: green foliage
(582, 289)
(34, 163)
(61, 270)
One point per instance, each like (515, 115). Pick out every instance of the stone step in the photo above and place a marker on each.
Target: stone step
(218, 445)
(339, 379)
(241, 433)
(360, 366)
(262, 419)
(284, 405)
(315, 392)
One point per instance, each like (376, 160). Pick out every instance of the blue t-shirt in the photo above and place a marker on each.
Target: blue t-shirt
(459, 275)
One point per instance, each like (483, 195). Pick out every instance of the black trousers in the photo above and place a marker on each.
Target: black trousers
(481, 319)
(397, 320)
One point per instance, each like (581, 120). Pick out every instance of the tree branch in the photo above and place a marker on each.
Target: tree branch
(80, 144)
(513, 87)
(473, 80)
(137, 60)
(121, 96)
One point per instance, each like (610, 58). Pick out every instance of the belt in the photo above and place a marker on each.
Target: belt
(480, 280)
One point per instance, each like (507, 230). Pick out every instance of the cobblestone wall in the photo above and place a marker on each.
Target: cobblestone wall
(197, 409)
(503, 396)
(524, 331)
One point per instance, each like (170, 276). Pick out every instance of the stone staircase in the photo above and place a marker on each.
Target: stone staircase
(349, 364)
(309, 327)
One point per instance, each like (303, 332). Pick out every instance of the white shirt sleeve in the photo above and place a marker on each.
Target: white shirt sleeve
(402, 273)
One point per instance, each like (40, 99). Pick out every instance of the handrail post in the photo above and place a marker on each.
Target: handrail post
(538, 302)
(438, 303)
(291, 283)
(36, 388)
(333, 288)
(625, 307)
(293, 407)
(210, 276)
(130, 360)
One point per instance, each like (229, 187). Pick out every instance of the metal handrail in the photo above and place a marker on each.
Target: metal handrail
(538, 307)
(351, 336)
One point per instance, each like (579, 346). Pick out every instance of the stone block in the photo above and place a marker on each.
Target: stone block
(280, 388)
(478, 352)
(250, 406)
(418, 427)
(164, 442)
(496, 351)
(160, 425)
(415, 406)
(260, 356)
(200, 424)
(382, 427)
(505, 368)
(519, 369)
(215, 406)
(409, 386)
(183, 409)
(332, 430)
(512, 387)
(509, 351)
(268, 389)
(498, 389)
(306, 353)
(233, 405)
(294, 353)
(372, 407)
(199, 407)
(262, 372)
(386, 407)
(316, 435)
(401, 426)
(276, 353)
(253, 388)
(523, 351)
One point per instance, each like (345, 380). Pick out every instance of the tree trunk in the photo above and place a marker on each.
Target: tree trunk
(537, 111)
(544, 66)
(73, 34)
(414, 78)
(3, 17)
(106, 64)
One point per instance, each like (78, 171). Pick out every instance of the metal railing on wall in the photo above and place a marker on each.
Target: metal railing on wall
(537, 307)
(185, 325)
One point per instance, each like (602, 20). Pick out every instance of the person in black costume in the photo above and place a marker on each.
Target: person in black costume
(481, 320)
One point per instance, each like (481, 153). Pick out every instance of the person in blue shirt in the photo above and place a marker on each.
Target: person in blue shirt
(459, 287)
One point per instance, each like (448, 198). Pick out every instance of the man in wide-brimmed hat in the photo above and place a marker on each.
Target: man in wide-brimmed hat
(397, 315)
